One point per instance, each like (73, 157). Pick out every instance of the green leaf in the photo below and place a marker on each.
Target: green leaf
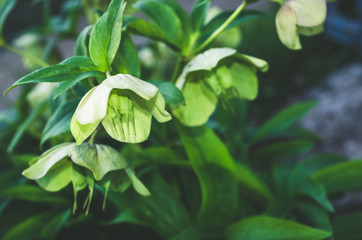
(250, 183)
(164, 17)
(341, 177)
(315, 214)
(52, 227)
(281, 150)
(283, 120)
(20, 131)
(58, 73)
(100, 159)
(209, 158)
(170, 92)
(163, 211)
(268, 228)
(30, 228)
(33, 194)
(150, 30)
(106, 35)
(65, 86)
(58, 176)
(59, 122)
(126, 60)
(198, 13)
(83, 62)
(199, 233)
(81, 45)
(5, 8)
(348, 226)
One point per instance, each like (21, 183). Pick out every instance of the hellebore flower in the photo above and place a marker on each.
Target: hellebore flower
(62, 164)
(218, 73)
(124, 104)
(296, 17)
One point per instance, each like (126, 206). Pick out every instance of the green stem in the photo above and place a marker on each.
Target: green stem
(24, 54)
(177, 69)
(223, 26)
(93, 137)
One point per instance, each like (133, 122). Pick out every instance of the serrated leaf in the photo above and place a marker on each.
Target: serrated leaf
(59, 122)
(106, 35)
(268, 228)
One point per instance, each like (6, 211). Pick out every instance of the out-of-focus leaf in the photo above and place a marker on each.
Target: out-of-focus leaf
(214, 166)
(20, 131)
(315, 214)
(250, 182)
(33, 194)
(348, 227)
(126, 60)
(30, 228)
(162, 211)
(5, 8)
(59, 122)
(81, 45)
(268, 228)
(51, 228)
(199, 233)
(281, 150)
(198, 13)
(283, 120)
(341, 177)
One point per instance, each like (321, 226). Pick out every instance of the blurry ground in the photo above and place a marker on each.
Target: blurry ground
(337, 117)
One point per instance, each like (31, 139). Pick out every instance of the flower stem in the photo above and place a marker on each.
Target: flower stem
(177, 69)
(93, 137)
(24, 54)
(223, 26)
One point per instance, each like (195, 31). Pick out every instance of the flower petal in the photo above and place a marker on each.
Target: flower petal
(81, 132)
(100, 159)
(200, 102)
(93, 106)
(58, 177)
(309, 12)
(128, 118)
(286, 22)
(47, 160)
(127, 82)
(156, 106)
(310, 31)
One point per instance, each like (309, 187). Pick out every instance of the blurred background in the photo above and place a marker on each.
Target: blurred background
(328, 69)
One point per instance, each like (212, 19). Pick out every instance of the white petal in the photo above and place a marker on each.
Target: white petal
(286, 22)
(125, 81)
(309, 12)
(93, 106)
(47, 160)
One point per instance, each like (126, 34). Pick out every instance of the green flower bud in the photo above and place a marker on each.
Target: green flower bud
(296, 17)
(124, 105)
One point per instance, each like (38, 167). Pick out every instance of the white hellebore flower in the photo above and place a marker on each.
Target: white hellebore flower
(296, 17)
(124, 104)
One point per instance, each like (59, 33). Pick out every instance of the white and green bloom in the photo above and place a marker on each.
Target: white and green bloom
(218, 73)
(296, 17)
(124, 105)
(65, 163)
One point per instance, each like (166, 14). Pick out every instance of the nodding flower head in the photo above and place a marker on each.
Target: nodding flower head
(296, 17)
(124, 105)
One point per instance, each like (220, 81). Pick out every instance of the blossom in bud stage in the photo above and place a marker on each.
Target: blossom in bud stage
(124, 105)
(296, 17)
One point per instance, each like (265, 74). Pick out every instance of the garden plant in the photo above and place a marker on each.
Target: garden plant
(144, 133)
